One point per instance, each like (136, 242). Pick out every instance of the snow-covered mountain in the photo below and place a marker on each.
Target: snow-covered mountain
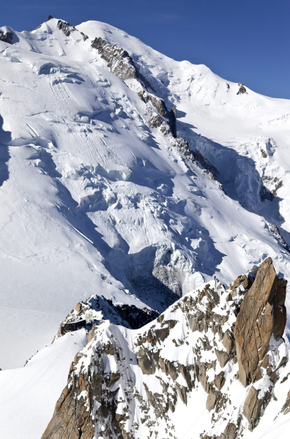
(127, 181)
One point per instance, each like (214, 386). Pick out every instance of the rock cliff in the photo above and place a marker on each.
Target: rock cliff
(262, 315)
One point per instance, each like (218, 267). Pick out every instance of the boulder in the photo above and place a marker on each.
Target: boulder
(146, 364)
(222, 357)
(253, 407)
(211, 400)
(228, 342)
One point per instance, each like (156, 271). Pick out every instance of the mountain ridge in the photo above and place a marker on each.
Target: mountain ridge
(127, 385)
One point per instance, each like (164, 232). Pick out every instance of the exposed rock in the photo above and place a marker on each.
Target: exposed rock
(169, 117)
(97, 308)
(242, 89)
(118, 59)
(262, 315)
(264, 154)
(276, 232)
(155, 121)
(7, 37)
(211, 400)
(146, 364)
(182, 392)
(66, 27)
(230, 432)
(253, 406)
(165, 128)
(219, 380)
(286, 407)
(272, 185)
(122, 65)
(71, 418)
(126, 381)
(222, 357)
(228, 342)
(245, 280)
(159, 105)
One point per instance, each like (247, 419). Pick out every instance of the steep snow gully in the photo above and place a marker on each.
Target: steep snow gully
(128, 181)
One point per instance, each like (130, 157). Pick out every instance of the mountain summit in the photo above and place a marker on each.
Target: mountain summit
(128, 182)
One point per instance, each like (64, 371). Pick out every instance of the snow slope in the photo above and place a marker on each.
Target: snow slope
(28, 394)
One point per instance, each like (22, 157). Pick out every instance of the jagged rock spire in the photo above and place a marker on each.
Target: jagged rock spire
(262, 315)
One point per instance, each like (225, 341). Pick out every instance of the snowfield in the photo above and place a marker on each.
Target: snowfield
(28, 394)
(95, 200)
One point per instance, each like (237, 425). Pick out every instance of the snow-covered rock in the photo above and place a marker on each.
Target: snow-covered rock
(128, 384)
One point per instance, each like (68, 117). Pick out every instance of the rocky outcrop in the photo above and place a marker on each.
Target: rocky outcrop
(262, 315)
(88, 313)
(118, 59)
(68, 28)
(242, 89)
(113, 354)
(122, 65)
(162, 110)
(253, 406)
(270, 186)
(128, 384)
(72, 419)
(65, 27)
(76, 408)
(7, 37)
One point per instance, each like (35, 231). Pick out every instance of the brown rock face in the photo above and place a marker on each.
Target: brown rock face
(262, 315)
(252, 407)
(71, 418)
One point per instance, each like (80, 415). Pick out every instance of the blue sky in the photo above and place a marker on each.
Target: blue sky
(242, 41)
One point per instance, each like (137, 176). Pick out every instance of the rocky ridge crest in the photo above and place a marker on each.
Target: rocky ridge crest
(121, 64)
(128, 384)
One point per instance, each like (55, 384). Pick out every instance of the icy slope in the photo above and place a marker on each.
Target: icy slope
(96, 200)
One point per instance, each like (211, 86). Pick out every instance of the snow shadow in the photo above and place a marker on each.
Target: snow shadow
(46, 162)
(147, 175)
(137, 274)
(5, 137)
(64, 74)
(238, 176)
(134, 271)
(80, 221)
(121, 265)
(140, 273)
